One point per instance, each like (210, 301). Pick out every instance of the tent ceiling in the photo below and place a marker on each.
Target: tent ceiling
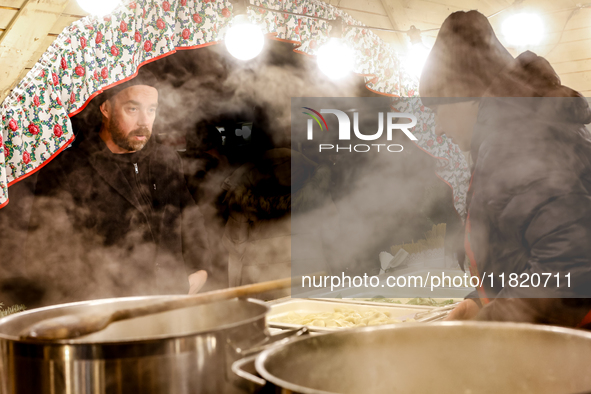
(27, 28)
(571, 57)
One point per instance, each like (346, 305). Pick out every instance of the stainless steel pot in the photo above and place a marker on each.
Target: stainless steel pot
(178, 352)
(449, 357)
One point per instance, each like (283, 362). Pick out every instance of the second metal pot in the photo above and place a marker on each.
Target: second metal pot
(444, 358)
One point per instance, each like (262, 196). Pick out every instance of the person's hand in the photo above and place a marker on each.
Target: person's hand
(465, 310)
(196, 281)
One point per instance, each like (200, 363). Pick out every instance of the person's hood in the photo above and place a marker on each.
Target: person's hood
(528, 90)
(533, 76)
(466, 57)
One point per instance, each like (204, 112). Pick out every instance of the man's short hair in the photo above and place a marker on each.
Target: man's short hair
(144, 77)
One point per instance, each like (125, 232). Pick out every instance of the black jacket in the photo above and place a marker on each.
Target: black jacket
(114, 225)
(530, 197)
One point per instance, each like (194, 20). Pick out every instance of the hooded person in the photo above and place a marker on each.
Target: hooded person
(529, 202)
(112, 215)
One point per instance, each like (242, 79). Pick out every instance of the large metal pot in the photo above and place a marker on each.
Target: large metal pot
(449, 357)
(184, 351)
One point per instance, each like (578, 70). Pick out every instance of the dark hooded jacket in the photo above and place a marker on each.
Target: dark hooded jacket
(107, 225)
(530, 197)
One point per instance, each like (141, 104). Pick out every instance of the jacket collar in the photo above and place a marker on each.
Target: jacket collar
(101, 159)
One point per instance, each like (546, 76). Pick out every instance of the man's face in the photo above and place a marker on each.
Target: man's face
(129, 117)
(457, 121)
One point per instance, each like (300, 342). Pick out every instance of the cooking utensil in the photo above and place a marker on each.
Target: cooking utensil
(183, 351)
(77, 325)
(389, 261)
(444, 358)
(435, 314)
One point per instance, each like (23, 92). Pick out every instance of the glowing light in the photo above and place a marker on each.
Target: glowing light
(335, 59)
(523, 29)
(415, 59)
(244, 40)
(99, 7)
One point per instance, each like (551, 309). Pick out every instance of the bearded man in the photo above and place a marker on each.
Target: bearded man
(113, 216)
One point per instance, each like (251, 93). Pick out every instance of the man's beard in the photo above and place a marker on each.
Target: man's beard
(127, 142)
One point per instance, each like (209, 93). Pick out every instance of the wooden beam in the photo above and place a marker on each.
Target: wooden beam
(395, 9)
(7, 16)
(23, 37)
(74, 9)
(47, 41)
(12, 3)
(580, 81)
(371, 6)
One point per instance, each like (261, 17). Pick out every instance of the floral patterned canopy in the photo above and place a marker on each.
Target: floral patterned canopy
(94, 54)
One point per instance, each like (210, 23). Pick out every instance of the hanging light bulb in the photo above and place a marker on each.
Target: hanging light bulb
(417, 55)
(244, 40)
(523, 29)
(415, 59)
(335, 58)
(99, 7)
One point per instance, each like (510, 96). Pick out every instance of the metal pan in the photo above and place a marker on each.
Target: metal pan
(184, 351)
(443, 358)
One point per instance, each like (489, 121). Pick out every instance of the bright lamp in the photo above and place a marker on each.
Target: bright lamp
(244, 40)
(523, 29)
(335, 59)
(415, 59)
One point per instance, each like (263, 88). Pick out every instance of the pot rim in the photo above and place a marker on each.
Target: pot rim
(262, 358)
(137, 341)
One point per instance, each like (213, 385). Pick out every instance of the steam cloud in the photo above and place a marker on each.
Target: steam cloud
(379, 202)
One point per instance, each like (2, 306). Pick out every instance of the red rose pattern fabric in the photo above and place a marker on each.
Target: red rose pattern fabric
(94, 53)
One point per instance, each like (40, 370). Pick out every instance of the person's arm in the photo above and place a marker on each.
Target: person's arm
(196, 252)
(466, 310)
(557, 236)
(197, 280)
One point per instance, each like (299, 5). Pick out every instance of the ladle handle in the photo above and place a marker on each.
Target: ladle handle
(74, 326)
(199, 299)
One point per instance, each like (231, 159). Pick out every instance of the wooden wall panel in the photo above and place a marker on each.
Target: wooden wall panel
(369, 6)
(23, 37)
(12, 3)
(61, 23)
(568, 67)
(555, 22)
(73, 9)
(42, 48)
(6, 16)
(487, 7)
(376, 20)
(578, 81)
(570, 51)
